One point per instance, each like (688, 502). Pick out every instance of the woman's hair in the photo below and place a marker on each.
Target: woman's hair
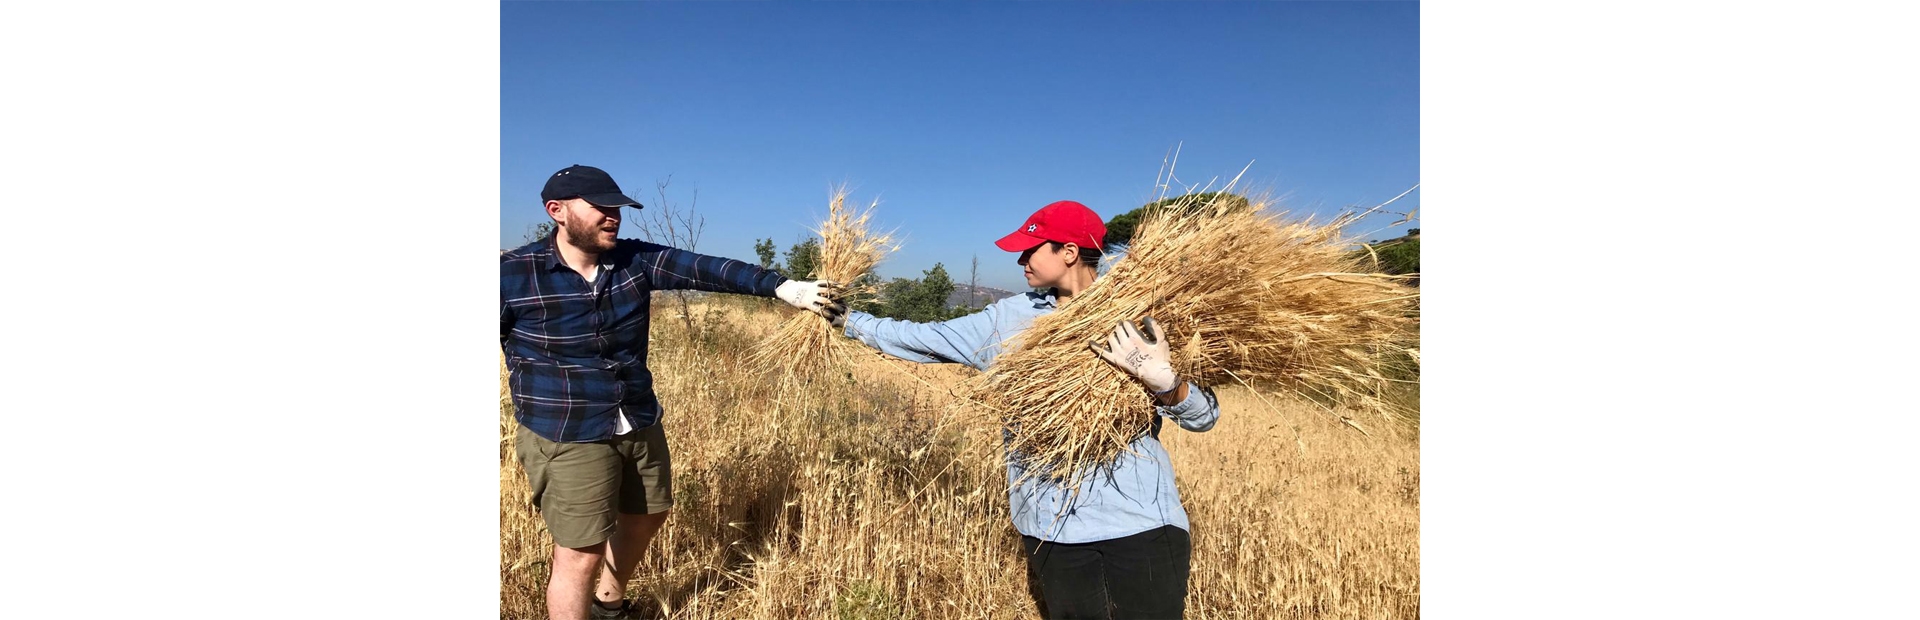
(1088, 256)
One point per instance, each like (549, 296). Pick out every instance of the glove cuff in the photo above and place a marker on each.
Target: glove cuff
(1164, 370)
(788, 291)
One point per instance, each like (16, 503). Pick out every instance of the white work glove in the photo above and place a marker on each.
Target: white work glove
(1143, 356)
(816, 296)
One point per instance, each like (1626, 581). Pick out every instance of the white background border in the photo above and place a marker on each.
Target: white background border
(250, 317)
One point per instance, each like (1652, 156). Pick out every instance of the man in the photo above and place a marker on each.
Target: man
(573, 324)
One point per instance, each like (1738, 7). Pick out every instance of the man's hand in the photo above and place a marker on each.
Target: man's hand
(1143, 356)
(818, 297)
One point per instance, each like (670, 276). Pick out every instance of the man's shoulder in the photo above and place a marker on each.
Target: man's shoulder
(524, 252)
(624, 243)
(521, 263)
(636, 246)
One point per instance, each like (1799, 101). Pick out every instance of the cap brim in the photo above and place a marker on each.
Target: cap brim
(611, 200)
(1019, 242)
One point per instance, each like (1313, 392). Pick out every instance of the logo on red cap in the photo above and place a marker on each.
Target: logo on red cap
(1065, 221)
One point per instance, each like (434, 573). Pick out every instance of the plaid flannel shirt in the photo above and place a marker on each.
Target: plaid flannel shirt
(577, 351)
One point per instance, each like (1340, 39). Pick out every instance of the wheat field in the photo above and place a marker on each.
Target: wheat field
(876, 492)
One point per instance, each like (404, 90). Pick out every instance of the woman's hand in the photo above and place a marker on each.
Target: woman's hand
(1145, 357)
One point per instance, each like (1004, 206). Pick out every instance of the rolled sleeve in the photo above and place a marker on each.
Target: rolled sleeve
(1197, 413)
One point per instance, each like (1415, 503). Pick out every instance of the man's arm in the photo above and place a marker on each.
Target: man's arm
(506, 312)
(506, 324)
(669, 269)
(672, 268)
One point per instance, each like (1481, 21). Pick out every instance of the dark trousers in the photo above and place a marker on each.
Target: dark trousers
(1140, 576)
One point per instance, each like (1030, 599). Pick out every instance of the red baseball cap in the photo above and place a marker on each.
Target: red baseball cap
(1065, 221)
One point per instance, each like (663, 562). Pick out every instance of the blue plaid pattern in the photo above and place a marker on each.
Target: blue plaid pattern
(577, 351)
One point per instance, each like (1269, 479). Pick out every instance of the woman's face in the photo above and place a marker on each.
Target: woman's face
(1046, 265)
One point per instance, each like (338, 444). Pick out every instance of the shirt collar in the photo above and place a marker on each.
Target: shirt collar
(555, 261)
(552, 247)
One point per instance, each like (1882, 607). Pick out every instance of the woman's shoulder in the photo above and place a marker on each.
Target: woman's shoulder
(1029, 300)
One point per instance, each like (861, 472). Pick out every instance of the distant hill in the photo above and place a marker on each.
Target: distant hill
(982, 295)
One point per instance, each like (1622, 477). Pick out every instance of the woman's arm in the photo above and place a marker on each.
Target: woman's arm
(1196, 409)
(1171, 397)
(1144, 356)
(958, 341)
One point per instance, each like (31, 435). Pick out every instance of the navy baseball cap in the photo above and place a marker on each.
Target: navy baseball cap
(586, 183)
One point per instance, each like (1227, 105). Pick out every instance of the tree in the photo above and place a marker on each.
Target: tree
(537, 232)
(895, 299)
(802, 258)
(1120, 229)
(973, 281)
(930, 295)
(865, 295)
(764, 249)
(921, 300)
(666, 224)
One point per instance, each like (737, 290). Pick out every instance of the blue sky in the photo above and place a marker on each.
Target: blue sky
(960, 118)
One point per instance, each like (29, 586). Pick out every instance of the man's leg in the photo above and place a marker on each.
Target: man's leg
(646, 493)
(629, 543)
(576, 486)
(573, 572)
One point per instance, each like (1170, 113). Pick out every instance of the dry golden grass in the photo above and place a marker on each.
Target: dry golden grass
(864, 498)
(1244, 295)
(804, 346)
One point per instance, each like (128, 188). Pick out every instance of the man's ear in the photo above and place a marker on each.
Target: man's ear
(554, 209)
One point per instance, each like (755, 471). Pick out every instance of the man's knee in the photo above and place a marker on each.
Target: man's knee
(658, 517)
(578, 559)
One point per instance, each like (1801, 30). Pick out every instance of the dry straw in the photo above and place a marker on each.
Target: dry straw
(1244, 295)
(804, 346)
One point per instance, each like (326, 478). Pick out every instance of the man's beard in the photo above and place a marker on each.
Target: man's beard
(581, 235)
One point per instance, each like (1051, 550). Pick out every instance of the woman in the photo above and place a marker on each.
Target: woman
(1120, 547)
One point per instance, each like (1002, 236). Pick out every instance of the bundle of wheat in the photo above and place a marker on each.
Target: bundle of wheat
(1244, 295)
(805, 346)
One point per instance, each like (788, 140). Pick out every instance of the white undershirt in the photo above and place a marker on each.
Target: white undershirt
(621, 425)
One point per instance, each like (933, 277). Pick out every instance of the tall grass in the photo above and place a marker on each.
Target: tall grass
(870, 494)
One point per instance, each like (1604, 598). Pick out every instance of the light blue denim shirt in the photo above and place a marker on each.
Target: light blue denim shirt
(1134, 495)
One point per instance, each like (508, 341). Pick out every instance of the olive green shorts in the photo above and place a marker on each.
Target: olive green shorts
(579, 486)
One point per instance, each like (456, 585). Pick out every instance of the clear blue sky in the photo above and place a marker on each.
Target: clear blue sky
(961, 118)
